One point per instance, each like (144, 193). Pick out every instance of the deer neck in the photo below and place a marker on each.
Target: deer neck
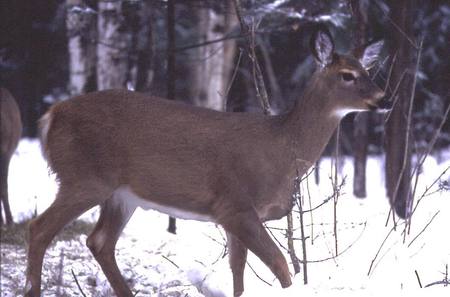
(310, 124)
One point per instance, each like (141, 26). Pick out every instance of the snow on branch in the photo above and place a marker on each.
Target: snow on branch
(338, 19)
(81, 9)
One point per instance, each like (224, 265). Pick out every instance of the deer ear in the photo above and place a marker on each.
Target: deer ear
(370, 55)
(322, 46)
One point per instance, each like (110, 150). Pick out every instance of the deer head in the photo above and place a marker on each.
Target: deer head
(345, 77)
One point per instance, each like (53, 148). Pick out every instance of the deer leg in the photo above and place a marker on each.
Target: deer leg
(102, 242)
(71, 201)
(247, 227)
(238, 257)
(4, 190)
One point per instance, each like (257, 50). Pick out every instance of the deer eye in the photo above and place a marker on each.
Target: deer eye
(347, 76)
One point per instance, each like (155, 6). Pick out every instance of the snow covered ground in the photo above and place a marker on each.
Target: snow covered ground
(192, 263)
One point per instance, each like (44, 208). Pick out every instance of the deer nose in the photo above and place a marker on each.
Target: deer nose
(379, 95)
(381, 102)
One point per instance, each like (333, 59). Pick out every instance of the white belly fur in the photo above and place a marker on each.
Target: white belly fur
(124, 195)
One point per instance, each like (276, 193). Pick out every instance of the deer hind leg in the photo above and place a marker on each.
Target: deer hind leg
(238, 258)
(114, 215)
(247, 227)
(71, 201)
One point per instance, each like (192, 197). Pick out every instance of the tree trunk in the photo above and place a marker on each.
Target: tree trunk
(171, 75)
(81, 28)
(114, 43)
(361, 122)
(360, 143)
(214, 62)
(398, 148)
(140, 75)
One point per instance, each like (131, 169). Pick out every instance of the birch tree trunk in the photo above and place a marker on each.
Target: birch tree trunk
(114, 44)
(214, 62)
(81, 28)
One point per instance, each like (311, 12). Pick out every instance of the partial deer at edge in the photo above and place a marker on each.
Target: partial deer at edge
(121, 149)
(11, 130)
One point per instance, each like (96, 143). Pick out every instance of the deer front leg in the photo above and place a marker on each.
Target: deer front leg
(238, 257)
(247, 227)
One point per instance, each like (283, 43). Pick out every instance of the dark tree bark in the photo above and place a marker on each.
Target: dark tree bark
(398, 148)
(81, 25)
(139, 16)
(361, 122)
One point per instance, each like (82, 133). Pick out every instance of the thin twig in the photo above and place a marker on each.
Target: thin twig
(429, 187)
(260, 88)
(394, 97)
(336, 193)
(257, 275)
(418, 278)
(78, 284)
(173, 263)
(209, 42)
(333, 257)
(379, 67)
(311, 213)
(275, 90)
(233, 77)
(430, 146)
(275, 238)
(338, 188)
(302, 231)
(379, 249)
(391, 69)
(290, 240)
(411, 103)
(396, 26)
(424, 228)
(442, 282)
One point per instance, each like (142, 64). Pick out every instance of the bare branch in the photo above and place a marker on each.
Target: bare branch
(260, 87)
(413, 44)
(333, 257)
(291, 249)
(302, 230)
(424, 228)
(379, 249)
(78, 284)
(418, 278)
(257, 275)
(173, 263)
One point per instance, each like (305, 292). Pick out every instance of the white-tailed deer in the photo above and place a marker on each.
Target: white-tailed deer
(11, 130)
(121, 149)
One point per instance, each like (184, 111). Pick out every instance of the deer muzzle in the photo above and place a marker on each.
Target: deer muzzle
(380, 103)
